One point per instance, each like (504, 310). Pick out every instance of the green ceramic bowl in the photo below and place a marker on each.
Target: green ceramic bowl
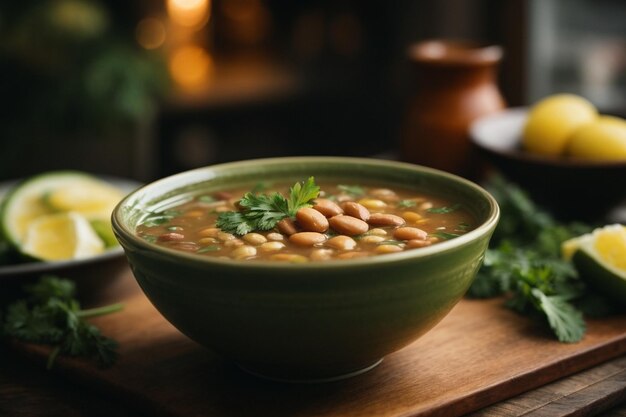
(315, 321)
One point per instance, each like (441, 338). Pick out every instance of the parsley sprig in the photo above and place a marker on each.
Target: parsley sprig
(524, 263)
(263, 212)
(51, 315)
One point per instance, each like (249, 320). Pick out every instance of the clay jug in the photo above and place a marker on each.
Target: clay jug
(456, 82)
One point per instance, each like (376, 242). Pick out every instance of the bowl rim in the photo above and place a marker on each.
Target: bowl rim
(484, 228)
(519, 154)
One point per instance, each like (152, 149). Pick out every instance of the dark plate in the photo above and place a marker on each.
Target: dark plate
(92, 275)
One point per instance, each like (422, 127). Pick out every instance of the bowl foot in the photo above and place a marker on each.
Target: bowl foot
(305, 380)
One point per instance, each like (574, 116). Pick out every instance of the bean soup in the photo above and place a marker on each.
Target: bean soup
(304, 222)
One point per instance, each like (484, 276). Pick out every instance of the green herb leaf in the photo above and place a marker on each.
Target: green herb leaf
(445, 235)
(211, 248)
(352, 190)
(564, 319)
(302, 195)
(406, 203)
(444, 209)
(263, 212)
(52, 316)
(524, 262)
(207, 199)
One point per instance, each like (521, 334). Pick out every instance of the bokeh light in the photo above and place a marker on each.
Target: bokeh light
(191, 66)
(189, 13)
(150, 33)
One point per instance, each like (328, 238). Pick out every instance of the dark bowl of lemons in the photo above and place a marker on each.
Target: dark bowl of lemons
(570, 158)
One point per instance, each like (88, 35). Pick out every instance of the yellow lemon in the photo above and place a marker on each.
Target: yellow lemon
(602, 140)
(600, 258)
(61, 236)
(553, 120)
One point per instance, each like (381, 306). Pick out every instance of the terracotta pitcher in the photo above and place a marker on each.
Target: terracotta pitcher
(455, 84)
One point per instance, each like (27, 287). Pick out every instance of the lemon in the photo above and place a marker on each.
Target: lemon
(602, 140)
(552, 121)
(61, 236)
(600, 258)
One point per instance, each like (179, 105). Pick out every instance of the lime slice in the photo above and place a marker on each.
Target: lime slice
(104, 230)
(61, 236)
(85, 195)
(600, 257)
(52, 192)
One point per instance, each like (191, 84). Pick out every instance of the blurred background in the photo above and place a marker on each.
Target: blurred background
(143, 89)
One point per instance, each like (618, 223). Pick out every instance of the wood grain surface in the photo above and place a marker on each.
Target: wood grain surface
(480, 354)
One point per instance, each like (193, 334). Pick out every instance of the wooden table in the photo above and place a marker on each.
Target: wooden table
(28, 390)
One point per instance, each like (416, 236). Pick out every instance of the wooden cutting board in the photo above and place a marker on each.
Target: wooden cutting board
(481, 353)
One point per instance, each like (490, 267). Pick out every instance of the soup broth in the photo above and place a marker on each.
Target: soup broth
(345, 221)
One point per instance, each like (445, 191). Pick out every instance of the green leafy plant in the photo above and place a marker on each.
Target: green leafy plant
(51, 315)
(524, 263)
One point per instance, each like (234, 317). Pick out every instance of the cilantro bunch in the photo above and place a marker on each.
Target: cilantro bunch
(524, 263)
(263, 212)
(51, 315)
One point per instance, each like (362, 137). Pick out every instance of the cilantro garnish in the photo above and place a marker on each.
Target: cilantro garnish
(352, 190)
(406, 203)
(263, 212)
(51, 315)
(443, 210)
(445, 235)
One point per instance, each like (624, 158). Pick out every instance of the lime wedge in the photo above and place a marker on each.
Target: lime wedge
(56, 192)
(600, 258)
(85, 195)
(61, 236)
(53, 192)
(104, 230)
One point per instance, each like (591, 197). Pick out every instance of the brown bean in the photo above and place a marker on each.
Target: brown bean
(271, 246)
(381, 219)
(373, 204)
(223, 195)
(389, 248)
(307, 238)
(411, 217)
(289, 257)
(243, 252)
(327, 207)
(418, 243)
(409, 233)
(233, 243)
(254, 238)
(185, 246)
(209, 232)
(341, 242)
(287, 227)
(223, 236)
(312, 220)
(348, 225)
(356, 210)
(353, 255)
(169, 237)
(275, 236)
(372, 239)
(321, 254)
(384, 194)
